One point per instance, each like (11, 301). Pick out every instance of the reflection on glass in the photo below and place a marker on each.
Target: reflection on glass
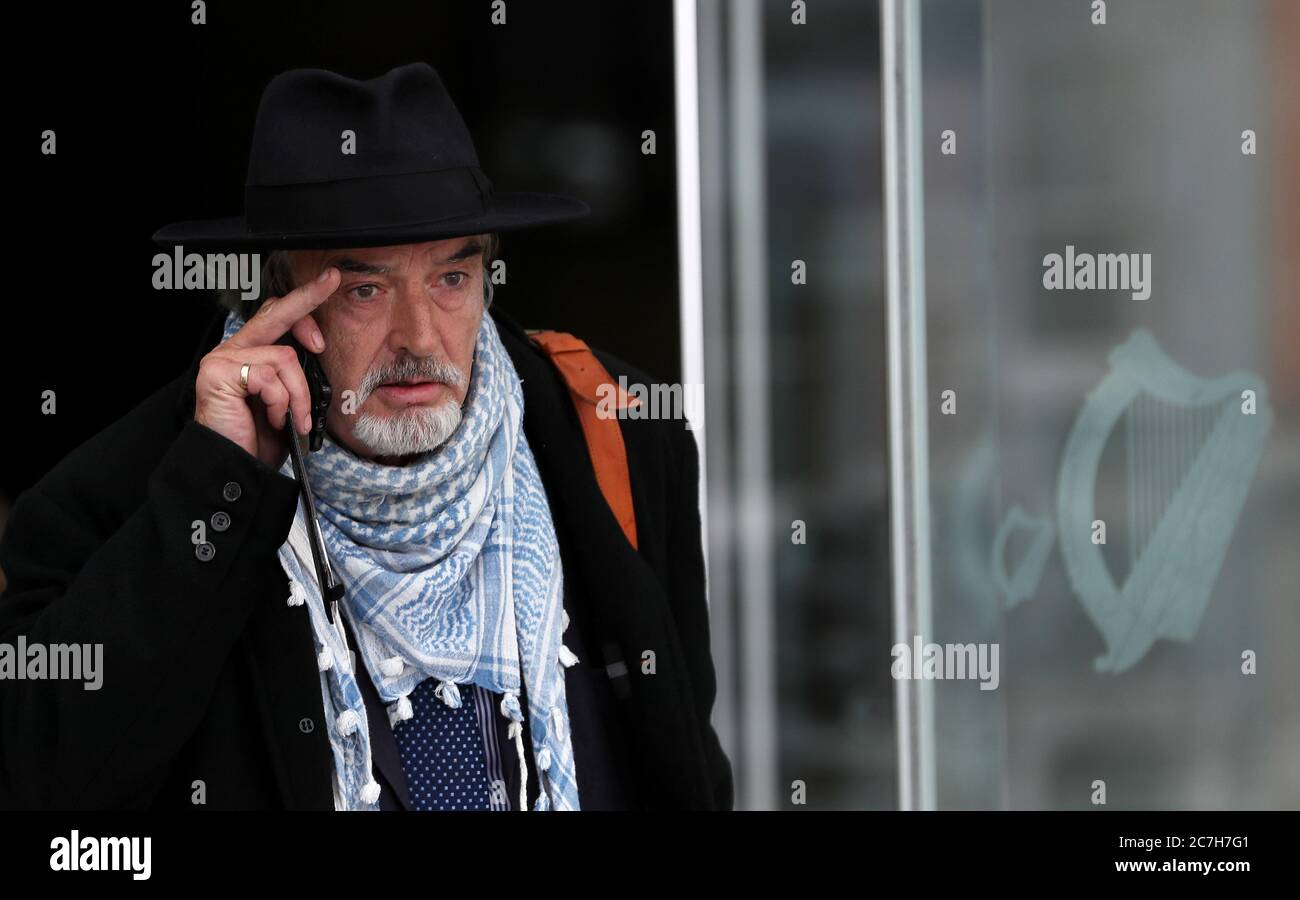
(1192, 448)
(798, 553)
(1107, 413)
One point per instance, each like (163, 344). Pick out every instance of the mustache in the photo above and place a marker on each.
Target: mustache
(427, 368)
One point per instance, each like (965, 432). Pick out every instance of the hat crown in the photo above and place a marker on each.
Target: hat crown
(404, 121)
(410, 176)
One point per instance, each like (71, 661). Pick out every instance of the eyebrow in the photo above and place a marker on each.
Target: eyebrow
(471, 249)
(356, 267)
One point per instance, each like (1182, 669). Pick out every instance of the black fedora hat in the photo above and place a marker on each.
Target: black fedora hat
(413, 175)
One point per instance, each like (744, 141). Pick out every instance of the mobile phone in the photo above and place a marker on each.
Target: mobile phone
(318, 386)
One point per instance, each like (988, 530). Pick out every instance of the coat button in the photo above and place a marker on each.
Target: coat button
(205, 551)
(306, 726)
(231, 491)
(220, 521)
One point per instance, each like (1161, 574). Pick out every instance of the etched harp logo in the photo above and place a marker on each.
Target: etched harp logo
(1190, 449)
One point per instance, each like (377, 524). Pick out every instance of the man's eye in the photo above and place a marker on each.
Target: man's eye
(364, 291)
(459, 276)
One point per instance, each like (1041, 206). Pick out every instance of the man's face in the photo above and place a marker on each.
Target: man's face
(400, 334)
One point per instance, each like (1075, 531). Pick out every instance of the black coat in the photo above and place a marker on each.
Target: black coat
(209, 675)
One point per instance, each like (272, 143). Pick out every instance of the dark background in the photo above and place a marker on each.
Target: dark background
(153, 117)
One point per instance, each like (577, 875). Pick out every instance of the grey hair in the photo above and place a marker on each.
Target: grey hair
(277, 280)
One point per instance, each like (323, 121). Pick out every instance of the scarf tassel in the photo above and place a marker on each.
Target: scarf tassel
(510, 709)
(347, 721)
(543, 801)
(400, 711)
(516, 733)
(370, 793)
(448, 693)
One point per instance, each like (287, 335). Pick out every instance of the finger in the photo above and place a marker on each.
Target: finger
(264, 384)
(281, 361)
(295, 380)
(308, 333)
(278, 314)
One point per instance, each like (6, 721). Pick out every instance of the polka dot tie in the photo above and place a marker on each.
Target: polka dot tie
(442, 752)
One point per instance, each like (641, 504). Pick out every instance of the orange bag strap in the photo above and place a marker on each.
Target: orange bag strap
(584, 375)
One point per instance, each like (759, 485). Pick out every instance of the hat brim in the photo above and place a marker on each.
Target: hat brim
(505, 212)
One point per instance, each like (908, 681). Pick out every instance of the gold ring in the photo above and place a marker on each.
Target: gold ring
(243, 375)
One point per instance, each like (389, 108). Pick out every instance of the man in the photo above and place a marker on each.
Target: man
(500, 643)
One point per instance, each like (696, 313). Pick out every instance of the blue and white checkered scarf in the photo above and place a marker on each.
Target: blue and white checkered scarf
(451, 571)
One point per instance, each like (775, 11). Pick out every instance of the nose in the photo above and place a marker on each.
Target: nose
(414, 325)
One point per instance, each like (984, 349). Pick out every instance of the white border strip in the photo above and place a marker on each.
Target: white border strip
(689, 234)
(751, 386)
(715, 185)
(909, 456)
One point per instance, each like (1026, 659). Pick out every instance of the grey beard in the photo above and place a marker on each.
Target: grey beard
(417, 429)
(413, 430)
